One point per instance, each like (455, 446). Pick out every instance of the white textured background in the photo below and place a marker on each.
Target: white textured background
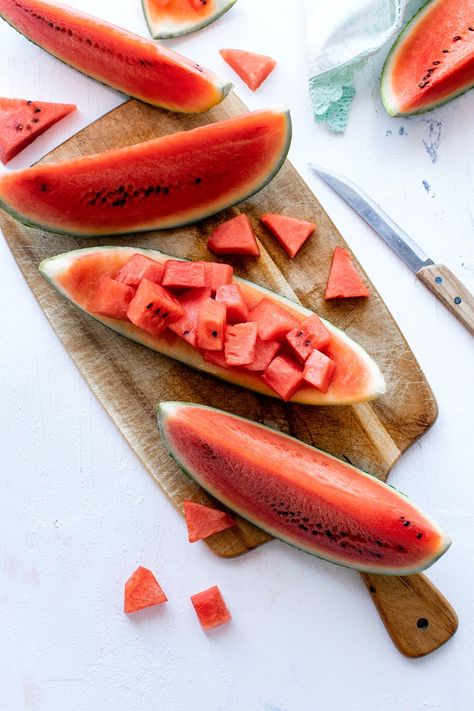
(78, 513)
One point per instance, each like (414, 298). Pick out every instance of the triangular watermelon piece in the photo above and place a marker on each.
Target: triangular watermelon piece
(252, 68)
(344, 281)
(22, 121)
(289, 231)
(203, 521)
(235, 236)
(142, 590)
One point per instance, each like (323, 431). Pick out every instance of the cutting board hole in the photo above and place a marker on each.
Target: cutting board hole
(422, 623)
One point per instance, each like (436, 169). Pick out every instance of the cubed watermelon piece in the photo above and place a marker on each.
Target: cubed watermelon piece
(344, 281)
(183, 275)
(140, 267)
(265, 352)
(217, 274)
(142, 589)
(318, 370)
(251, 67)
(204, 521)
(284, 376)
(290, 232)
(191, 302)
(112, 298)
(235, 236)
(311, 334)
(153, 308)
(211, 325)
(273, 320)
(239, 347)
(231, 295)
(215, 357)
(210, 608)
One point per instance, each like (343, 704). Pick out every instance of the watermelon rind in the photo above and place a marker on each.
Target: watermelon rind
(177, 348)
(167, 409)
(389, 100)
(160, 31)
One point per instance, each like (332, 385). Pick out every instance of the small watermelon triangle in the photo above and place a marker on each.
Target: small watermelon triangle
(142, 590)
(235, 236)
(252, 68)
(22, 121)
(344, 281)
(203, 521)
(289, 231)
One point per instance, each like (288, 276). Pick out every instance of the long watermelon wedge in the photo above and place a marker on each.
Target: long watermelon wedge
(432, 60)
(173, 18)
(76, 276)
(114, 56)
(300, 494)
(166, 182)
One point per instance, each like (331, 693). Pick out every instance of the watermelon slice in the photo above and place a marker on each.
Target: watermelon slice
(284, 376)
(318, 370)
(165, 182)
(290, 232)
(183, 275)
(153, 308)
(239, 347)
(310, 334)
(76, 276)
(203, 521)
(112, 298)
(139, 267)
(173, 18)
(216, 275)
(235, 236)
(114, 56)
(273, 321)
(231, 295)
(344, 281)
(210, 608)
(432, 60)
(142, 589)
(300, 494)
(191, 302)
(211, 325)
(252, 68)
(265, 352)
(22, 121)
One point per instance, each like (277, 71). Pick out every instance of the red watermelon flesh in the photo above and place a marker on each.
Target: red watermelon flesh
(344, 281)
(203, 521)
(265, 352)
(318, 371)
(216, 274)
(235, 236)
(215, 357)
(312, 333)
(231, 296)
(290, 232)
(211, 325)
(210, 608)
(183, 275)
(191, 302)
(142, 590)
(140, 267)
(21, 121)
(252, 68)
(239, 347)
(153, 308)
(112, 298)
(273, 320)
(284, 376)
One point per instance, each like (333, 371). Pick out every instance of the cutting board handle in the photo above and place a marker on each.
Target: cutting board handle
(417, 616)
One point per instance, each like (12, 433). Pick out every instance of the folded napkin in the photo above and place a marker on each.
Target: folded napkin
(340, 36)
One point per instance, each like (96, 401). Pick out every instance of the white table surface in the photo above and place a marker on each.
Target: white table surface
(78, 512)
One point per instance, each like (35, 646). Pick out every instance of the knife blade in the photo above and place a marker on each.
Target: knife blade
(436, 277)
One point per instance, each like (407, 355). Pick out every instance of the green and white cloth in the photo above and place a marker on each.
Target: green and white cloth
(340, 36)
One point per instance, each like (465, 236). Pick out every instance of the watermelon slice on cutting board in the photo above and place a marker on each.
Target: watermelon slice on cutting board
(290, 232)
(344, 281)
(173, 18)
(204, 521)
(251, 67)
(23, 120)
(432, 60)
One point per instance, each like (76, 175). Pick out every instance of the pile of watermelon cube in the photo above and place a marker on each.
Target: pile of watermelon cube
(200, 302)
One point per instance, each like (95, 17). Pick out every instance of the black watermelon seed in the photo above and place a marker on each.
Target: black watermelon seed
(157, 311)
(19, 126)
(299, 334)
(120, 189)
(157, 189)
(104, 199)
(186, 333)
(378, 543)
(166, 191)
(457, 38)
(149, 306)
(35, 120)
(303, 527)
(214, 334)
(307, 342)
(44, 188)
(29, 102)
(419, 535)
(136, 193)
(88, 41)
(328, 533)
(198, 180)
(69, 33)
(406, 523)
(116, 203)
(445, 51)
(436, 62)
(92, 202)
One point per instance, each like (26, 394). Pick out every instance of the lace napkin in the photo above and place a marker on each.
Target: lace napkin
(340, 36)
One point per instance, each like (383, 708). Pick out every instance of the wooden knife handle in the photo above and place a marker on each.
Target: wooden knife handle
(447, 287)
(417, 617)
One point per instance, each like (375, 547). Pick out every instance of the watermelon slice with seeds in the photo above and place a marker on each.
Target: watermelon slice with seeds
(142, 589)
(344, 280)
(22, 120)
(252, 68)
(290, 232)
(204, 521)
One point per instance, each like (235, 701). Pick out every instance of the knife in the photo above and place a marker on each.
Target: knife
(437, 277)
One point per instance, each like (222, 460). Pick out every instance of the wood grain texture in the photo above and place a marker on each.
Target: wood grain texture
(129, 380)
(454, 295)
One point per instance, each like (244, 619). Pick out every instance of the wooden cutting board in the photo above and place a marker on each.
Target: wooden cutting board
(129, 380)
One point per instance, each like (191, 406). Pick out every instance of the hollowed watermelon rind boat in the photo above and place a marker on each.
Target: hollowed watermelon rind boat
(300, 494)
(159, 30)
(359, 381)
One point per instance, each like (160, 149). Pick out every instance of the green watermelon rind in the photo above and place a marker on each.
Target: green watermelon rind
(192, 219)
(385, 92)
(163, 411)
(52, 267)
(192, 28)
